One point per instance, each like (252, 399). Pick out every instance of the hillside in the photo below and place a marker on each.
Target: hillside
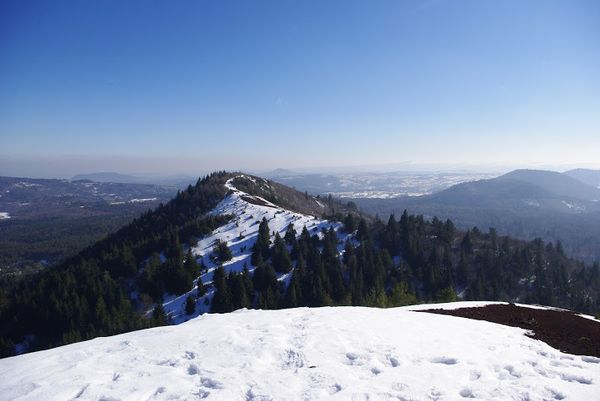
(241, 231)
(373, 184)
(50, 219)
(587, 176)
(337, 353)
(106, 177)
(236, 241)
(141, 264)
(525, 204)
(559, 184)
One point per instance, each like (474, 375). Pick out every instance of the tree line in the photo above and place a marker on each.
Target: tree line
(402, 262)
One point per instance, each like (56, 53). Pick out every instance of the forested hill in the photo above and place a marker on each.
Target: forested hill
(360, 261)
(105, 288)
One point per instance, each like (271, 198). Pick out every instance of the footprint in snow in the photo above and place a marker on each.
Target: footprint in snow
(575, 378)
(193, 370)
(444, 360)
(336, 388)
(159, 391)
(475, 375)
(512, 373)
(210, 383)
(555, 394)
(354, 359)
(251, 396)
(394, 362)
(292, 359)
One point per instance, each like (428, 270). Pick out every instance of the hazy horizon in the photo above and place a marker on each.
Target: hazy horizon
(67, 167)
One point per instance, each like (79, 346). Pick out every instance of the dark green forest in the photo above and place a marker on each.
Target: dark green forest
(105, 288)
(406, 261)
(88, 295)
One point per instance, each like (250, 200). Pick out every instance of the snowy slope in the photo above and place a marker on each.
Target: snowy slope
(338, 353)
(240, 233)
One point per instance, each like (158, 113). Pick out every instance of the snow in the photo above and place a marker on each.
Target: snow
(574, 206)
(338, 353)
(142, 200)
(240, 233)
(4, 215)
(473, 304)
(134, 200)
(531, 202)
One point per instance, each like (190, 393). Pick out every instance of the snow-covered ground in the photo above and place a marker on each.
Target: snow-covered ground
(240, 233)
(340, 353)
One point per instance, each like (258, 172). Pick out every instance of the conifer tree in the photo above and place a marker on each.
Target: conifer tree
(221, 302)
(349, 223)
(239, 292)
(363, 232)
(190, 264)
(158, 315)
(290, 235)
(190, 305)
(262, 244)
(201, 290)
(222, 251)
(129, 262)
(467, 243)
(282, 263)
(462, 269)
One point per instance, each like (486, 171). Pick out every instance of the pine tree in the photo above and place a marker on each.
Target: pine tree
(158, 315)
(239, 292)
(262, 244)
(290, 235)
(221, 302)
(222, 251)
(400, 295)
(349, 223)
(363, 232)
(462, 269)
(467, 243)
(190, 305)
(282, 263)
(447, 295)
(201, 290)
(191, 265)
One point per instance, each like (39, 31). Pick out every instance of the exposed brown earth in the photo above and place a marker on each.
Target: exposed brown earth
(563, 330)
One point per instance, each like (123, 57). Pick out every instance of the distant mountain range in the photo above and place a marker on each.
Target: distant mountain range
(523, 203)
(106, 177)
(590, 177)
(180, 181)
(373, 184)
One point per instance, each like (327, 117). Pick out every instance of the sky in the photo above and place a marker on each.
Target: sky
(195, 86)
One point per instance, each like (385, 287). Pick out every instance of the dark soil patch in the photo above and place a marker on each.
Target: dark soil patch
(563, 330)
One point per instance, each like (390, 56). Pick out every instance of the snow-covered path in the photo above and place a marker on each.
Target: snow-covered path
(338, 353)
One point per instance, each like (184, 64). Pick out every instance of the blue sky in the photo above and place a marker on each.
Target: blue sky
(190, 86)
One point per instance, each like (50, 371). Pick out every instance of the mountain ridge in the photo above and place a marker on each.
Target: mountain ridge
(587, 176)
